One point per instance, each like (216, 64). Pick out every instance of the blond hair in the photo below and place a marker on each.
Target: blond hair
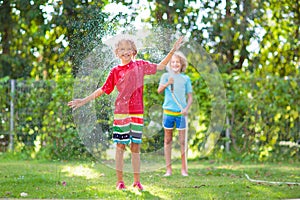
(131, 42)
(182, 59)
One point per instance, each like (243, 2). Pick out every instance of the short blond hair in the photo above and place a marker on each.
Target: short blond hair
(131, 42)
(182, 59)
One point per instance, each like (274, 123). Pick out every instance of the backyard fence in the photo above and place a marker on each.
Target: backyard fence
(23, 103)
(259, 116)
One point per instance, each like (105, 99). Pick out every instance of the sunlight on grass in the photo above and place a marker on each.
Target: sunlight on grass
(162, 193)
(81, 170)
(207, 180)
(136, 192)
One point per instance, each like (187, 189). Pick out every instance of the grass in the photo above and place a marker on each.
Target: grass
(88, 180)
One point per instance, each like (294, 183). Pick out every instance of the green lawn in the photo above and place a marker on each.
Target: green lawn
(87, 180)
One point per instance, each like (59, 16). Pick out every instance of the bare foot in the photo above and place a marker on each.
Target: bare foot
(184, 173)
(168, 173)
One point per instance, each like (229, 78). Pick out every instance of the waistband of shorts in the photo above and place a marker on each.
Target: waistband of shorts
(122, 116)
(172, 113)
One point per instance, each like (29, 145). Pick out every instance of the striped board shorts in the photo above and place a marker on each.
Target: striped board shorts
(128, 128)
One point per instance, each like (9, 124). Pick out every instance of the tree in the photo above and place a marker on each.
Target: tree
(280, 44)
(38, 35)
(22, 31)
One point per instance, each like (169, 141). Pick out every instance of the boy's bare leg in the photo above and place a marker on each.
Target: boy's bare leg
(135, 160)
(168, 150)
(183, 152)
(119, 161)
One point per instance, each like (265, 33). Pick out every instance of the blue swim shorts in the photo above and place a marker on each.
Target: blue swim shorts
(171, 119)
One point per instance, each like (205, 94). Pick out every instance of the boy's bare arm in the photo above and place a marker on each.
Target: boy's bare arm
(166, 60)
(97, 93)
(161, 87)
(76, 103)
(189, 103)
(190, 100)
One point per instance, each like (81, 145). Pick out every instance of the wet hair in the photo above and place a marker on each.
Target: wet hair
(182, 59)
(131, 42)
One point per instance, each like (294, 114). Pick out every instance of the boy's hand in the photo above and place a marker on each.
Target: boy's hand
(170, 81)
(184, 112)
(76, 103)
(178, 43)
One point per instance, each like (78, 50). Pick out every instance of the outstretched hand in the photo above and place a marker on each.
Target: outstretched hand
(178, 43)
(76, 103)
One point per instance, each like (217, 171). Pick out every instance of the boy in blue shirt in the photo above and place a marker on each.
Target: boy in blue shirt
(177, 87)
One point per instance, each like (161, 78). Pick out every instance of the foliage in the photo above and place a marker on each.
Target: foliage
(58, 132)
(40, 43)
(5, 113)
(280, 44)
(22, 37)
(42, 129)
(263, 111)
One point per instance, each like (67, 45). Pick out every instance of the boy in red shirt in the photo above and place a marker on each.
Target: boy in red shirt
(128, 78)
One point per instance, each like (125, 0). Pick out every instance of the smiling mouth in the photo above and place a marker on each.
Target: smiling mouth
(126, 55)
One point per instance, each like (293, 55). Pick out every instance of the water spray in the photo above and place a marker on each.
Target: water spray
(95, 132)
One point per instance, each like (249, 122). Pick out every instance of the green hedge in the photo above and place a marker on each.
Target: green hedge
(263, 112)
(43, 123)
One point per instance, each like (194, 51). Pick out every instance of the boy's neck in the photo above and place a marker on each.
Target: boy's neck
(125, 62)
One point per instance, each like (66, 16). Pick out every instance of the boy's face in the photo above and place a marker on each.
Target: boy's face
(125, 52)
(175, 64)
